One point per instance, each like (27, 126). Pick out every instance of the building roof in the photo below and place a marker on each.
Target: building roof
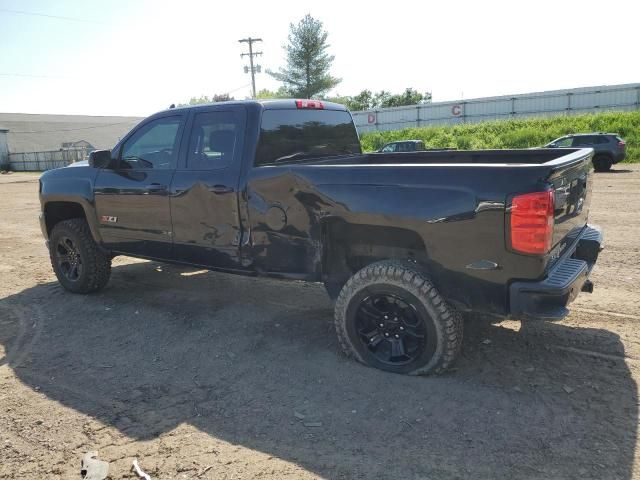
(39, 132)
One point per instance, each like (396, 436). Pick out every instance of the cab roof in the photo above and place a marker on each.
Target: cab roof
(275, 104)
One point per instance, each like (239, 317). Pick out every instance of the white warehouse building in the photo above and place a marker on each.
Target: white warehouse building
(554, 102)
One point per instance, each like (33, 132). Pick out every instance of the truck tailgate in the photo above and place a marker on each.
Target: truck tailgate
(572, 184)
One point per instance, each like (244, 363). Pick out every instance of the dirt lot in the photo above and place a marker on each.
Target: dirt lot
(202, 375)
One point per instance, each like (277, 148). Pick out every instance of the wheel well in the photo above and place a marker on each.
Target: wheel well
(602, 156)
(350, 247)
(56, 212)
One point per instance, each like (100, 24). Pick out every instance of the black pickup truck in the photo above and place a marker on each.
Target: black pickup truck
(403, 242)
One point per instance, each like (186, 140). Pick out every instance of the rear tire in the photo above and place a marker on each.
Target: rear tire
(79, 264)
(389, 316)
(602, 163)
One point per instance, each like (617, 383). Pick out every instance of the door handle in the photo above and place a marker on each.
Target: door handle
(218, 189)
(156, 187)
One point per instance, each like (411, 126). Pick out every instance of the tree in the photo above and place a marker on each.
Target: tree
(218, 97)
(307, 72)
(363, 101)
(366, 100)
(266, 94)
(408, 97)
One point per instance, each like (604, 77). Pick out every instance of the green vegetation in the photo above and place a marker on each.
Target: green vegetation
(367, 100)
(266, 94)
(533, 132)
(218, 97)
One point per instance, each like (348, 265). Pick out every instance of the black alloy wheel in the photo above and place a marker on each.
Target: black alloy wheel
(69, 259)
(391, 329)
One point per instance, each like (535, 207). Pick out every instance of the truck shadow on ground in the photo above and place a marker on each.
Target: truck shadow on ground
(239, 357)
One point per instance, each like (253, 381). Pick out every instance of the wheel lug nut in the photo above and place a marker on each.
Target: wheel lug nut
(397, 336)
(382, 324)
(401, 328)
(386, 317)
(386, 334)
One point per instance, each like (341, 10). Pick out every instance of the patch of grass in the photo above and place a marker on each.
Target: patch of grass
(526, 133)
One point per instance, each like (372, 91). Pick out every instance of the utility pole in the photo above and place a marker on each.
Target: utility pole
(251, 54)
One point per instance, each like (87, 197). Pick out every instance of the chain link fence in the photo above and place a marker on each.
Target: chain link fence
(41, 161)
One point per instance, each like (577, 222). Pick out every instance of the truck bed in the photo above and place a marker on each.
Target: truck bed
(566, 170)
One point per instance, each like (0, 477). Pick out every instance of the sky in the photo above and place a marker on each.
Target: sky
(135, 57)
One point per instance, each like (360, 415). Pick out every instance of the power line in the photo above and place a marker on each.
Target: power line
(239, 88)
(57, 17)
(28, 75)
(251, 54)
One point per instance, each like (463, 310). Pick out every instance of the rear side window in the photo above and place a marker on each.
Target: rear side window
(583, 141)
(213, 140)
(291, 135)
(564, 142)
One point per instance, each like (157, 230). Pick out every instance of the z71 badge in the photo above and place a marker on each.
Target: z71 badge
(108, 219)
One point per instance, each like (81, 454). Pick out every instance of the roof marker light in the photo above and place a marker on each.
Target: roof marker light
(310, 104)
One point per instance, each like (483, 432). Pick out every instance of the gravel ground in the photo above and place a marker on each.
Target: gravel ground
(203, 375)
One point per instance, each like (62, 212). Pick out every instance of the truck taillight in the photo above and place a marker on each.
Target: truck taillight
(311, 104)
(532, 216)
(621, 143)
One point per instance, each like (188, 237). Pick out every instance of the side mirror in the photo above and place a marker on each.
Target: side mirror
(100, 159)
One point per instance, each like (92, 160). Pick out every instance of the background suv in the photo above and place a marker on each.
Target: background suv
(403, 146)
(407, 146)
(609, 147)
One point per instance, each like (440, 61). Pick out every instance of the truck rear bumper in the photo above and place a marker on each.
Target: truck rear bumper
(548, 298)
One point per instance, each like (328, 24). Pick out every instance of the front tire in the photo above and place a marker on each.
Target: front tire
(389, 316)
(79, 264)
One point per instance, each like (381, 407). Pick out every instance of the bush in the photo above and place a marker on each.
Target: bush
(533, 132)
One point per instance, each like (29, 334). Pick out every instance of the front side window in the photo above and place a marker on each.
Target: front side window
(152, 146)
(564, 142)
(213, 139)
(390, 148)
(293, 135)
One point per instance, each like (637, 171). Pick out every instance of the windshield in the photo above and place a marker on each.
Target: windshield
(293, 135)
